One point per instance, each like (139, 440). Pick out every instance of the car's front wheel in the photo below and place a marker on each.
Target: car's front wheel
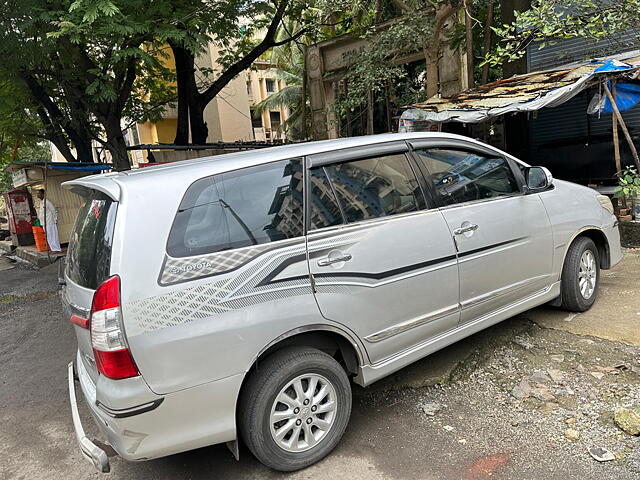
(294, 408)
(580, 275)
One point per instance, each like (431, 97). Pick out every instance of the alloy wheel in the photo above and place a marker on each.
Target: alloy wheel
(587, 274)
(303, 412)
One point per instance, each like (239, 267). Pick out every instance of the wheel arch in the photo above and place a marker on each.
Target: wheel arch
(599, 238)
(327, 338)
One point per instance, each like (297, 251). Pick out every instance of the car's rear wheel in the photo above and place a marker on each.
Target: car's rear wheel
(580, 275)
(294, 408)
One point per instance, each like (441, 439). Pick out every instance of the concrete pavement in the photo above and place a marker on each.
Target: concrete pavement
(616, 314)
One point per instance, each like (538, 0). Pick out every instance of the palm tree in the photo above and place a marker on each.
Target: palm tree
(288, 64)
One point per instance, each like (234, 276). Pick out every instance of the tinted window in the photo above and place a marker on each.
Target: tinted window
(323, 207)
(245, 207)
(89, 255)
(375, 187)
(461, 176)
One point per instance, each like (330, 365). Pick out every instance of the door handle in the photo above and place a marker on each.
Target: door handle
(472, 227)
(325, 262)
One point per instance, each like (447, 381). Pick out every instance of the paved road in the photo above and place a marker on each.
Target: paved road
(480, 432)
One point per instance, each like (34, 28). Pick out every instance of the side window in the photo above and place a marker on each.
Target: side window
(376, 187)
(323, 206)
(462, 176)
(245, 207)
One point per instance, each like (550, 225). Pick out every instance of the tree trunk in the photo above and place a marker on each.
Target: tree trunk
(116, 144)
(432, 49)
(54, 134)
(198, 101)
(56, 122)
(378, 16)
(199, 129)
(185, 70)
(432, 72)
(84, 149)
(508, 10)
(370, 113)
(487, 40)
(468, 26)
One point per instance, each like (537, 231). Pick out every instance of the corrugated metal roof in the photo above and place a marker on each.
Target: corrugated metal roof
(528, 92)
(578, 49)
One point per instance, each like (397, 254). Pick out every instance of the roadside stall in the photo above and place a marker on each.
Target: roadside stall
(23, 203)
(19, 213)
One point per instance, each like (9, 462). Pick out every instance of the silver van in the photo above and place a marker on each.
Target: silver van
(234, 298)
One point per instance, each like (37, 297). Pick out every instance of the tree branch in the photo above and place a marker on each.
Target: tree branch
(267, 42)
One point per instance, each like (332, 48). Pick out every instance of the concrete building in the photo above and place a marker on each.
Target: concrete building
(261, 82)
(327, 65)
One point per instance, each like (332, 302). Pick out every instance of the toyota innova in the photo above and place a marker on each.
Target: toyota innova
(233, 299)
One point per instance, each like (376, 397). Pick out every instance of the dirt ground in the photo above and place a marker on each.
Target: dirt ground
(524, 399)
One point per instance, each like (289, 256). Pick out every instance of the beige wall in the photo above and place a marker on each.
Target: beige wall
(227, 115)
(257, 78)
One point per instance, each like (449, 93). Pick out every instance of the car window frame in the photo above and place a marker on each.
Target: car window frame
(324, 159)
(461, 145)
(178, 209)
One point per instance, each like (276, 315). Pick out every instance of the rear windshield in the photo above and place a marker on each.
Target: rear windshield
(89, 254)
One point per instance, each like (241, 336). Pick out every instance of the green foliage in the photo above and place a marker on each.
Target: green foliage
(236, 27)
(479, 12)
(29, 151)
(628, 183)
(289, 66)
(86, 65)
(375, 66)
(548, 21)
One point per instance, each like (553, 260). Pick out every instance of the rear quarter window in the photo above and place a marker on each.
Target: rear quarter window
(89, 255)
(250, 206)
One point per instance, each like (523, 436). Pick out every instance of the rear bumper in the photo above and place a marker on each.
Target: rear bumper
(89, 450)
(184, 420)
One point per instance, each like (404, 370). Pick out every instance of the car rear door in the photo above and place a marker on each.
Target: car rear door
(503, 237)
(381, 258)
(87, 266)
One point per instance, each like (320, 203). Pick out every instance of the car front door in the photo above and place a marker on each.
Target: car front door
(503, 237)
(382, 261)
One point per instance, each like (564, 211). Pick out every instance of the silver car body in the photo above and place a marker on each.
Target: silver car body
(195, 326)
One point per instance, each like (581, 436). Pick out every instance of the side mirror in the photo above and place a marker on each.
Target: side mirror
(537, 179)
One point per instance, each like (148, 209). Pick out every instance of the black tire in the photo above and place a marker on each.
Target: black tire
(258, 396)
(572, 298)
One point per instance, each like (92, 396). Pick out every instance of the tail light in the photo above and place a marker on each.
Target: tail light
(113, 358)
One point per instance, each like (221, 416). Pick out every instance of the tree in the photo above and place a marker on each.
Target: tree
(548, 21)
(406, 28)
(242, 32)
(21, 131)
(288, 64)
(416, 25)
(86, 66)
(19, 127)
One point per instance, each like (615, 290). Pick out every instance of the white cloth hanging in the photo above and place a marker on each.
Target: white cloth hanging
(49, 220)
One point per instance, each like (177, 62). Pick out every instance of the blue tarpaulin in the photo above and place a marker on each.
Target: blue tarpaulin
(74, 167)
(612, 66)
(627, 96)
(96, 167)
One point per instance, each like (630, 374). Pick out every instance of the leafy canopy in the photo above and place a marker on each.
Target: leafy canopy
(548, 21)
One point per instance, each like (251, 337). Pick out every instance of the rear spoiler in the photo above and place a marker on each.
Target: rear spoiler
(101, 183)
